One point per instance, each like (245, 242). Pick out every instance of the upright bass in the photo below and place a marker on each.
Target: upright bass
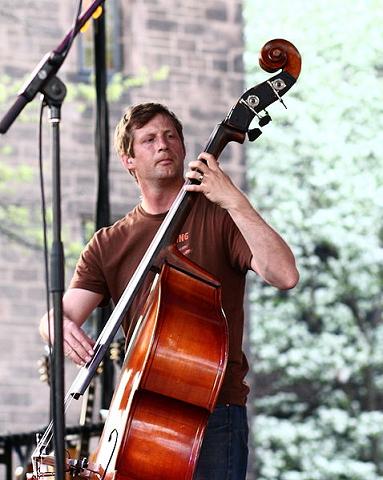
(176, 358)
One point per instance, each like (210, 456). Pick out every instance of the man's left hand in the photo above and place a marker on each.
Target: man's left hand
(215, 184)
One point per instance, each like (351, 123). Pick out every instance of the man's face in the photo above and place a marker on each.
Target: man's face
(158, 152)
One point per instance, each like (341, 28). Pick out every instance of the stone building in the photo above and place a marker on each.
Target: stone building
(185, 53)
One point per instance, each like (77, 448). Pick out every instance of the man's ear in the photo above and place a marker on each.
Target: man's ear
(128, 162)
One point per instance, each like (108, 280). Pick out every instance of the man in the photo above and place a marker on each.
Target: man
(223, 234)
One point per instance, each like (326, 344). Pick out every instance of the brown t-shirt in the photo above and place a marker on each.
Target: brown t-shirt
(209, 237)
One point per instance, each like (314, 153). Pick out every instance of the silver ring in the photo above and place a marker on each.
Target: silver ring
(200, 178)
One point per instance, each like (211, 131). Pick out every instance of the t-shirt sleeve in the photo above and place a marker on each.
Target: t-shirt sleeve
(88, 272)
(238, 251)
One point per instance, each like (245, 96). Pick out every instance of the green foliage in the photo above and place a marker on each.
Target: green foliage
(21, 173)
(120, 84)
(7, 87)
(85, 94)
(316, 175)
(15, 216)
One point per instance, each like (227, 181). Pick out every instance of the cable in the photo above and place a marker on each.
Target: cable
(45, 252)
(74, 28)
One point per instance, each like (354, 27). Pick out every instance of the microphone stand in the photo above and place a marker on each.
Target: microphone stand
(54, 92)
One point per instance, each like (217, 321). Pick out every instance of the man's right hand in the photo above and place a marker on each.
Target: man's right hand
(78, 346)
(78, 304)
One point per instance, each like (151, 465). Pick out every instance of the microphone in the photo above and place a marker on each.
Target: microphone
(47, 67)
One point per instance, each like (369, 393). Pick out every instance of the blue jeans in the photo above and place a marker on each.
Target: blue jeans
(224, 448)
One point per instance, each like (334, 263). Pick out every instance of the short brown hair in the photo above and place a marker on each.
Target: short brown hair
(136, 117)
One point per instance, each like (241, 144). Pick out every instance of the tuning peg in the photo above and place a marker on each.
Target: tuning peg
(254, 133)
(263, 121)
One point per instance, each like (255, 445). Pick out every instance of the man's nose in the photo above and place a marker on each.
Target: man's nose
(162, 142)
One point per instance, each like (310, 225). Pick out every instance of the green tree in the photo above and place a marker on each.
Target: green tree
(17, 220)
(316, 174)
